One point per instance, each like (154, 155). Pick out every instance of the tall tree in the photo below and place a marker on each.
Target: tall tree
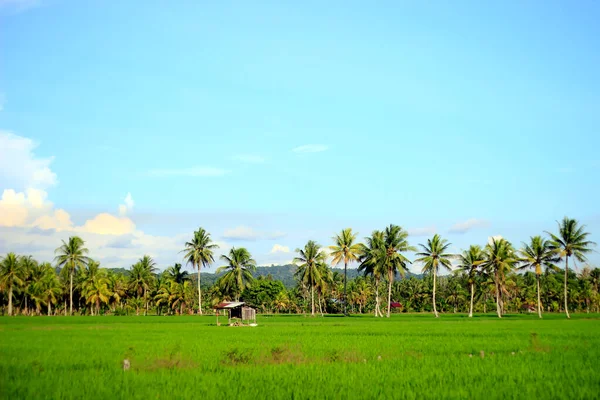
(11, 275)
(469, 261)
(395, 241)
(175, 273)
(72, 256)
(309, 272)
(238, 272)
(500, 259)
(571, 241)
(149, 266)
(347, 250)
(199, 253)
(537, 254)
(433, 255)
(371, 263)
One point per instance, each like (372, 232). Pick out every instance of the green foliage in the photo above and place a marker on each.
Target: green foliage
(262, 293)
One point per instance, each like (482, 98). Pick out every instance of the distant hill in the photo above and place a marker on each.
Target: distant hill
(283, 273)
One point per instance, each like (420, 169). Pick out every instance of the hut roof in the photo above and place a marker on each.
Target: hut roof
(230, 304)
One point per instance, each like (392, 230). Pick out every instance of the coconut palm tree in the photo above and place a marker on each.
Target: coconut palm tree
(469, 261)
(537, 254)
(499, 260)
(97, 292)
(308, 271)
(238, 272)
(395, 243)
(72, 256)
(433, 255)
(371, 263)
(32, 273)
(11, 276)
(175, 273)
(571, 241)
(45, 287)
(149, 267)
(140, 279)
(199, 253)
(347, 250)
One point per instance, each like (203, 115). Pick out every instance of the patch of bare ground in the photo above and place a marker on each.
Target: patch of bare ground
(537, 345)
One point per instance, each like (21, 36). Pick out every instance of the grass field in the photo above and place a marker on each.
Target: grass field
(408, 356)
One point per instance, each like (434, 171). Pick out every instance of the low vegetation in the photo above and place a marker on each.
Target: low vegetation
(407, 356)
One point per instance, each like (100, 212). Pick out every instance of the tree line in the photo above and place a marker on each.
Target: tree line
(500, 275)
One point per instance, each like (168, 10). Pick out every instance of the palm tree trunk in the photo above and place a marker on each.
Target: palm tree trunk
(376, 299)
(71, 293)
(434, 285)
(390, 295)
(498, 307)
(538, 296)
(566, 279)
(471, 305)
(10, 296)
(312, 301)
(345, 281)
(199, 293)
(49, 307)
(145, 301)
(320, 308)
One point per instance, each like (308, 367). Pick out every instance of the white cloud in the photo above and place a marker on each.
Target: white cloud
(473, 223)
(250, 158)
(241, 233)
(310, 148)
(20, 168)
(425, 231)
(496, 238)
(59, 220)
(192, 171)
(277, 248)
(128, 206)
(107, 224)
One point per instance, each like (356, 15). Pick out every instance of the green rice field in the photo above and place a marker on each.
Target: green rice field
(407, 356)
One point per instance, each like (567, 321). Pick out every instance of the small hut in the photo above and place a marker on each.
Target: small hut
(238, 313)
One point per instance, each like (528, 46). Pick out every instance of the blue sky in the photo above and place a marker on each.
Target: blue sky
(281, 122)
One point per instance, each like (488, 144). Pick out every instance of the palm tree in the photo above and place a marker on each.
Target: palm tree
(140, 279)
(469, 261)
(175, 273)
(308, 271)
(371, 263)
(149, 267)
(571, 241)
(537, 254)
(395, 243)
(500, 259)
(47, 288)
(31, 273)
(239, 269)
(11, 276)
(97, 292)
(72, 255)
(199, 253)
(433, 255)
(347, 250)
